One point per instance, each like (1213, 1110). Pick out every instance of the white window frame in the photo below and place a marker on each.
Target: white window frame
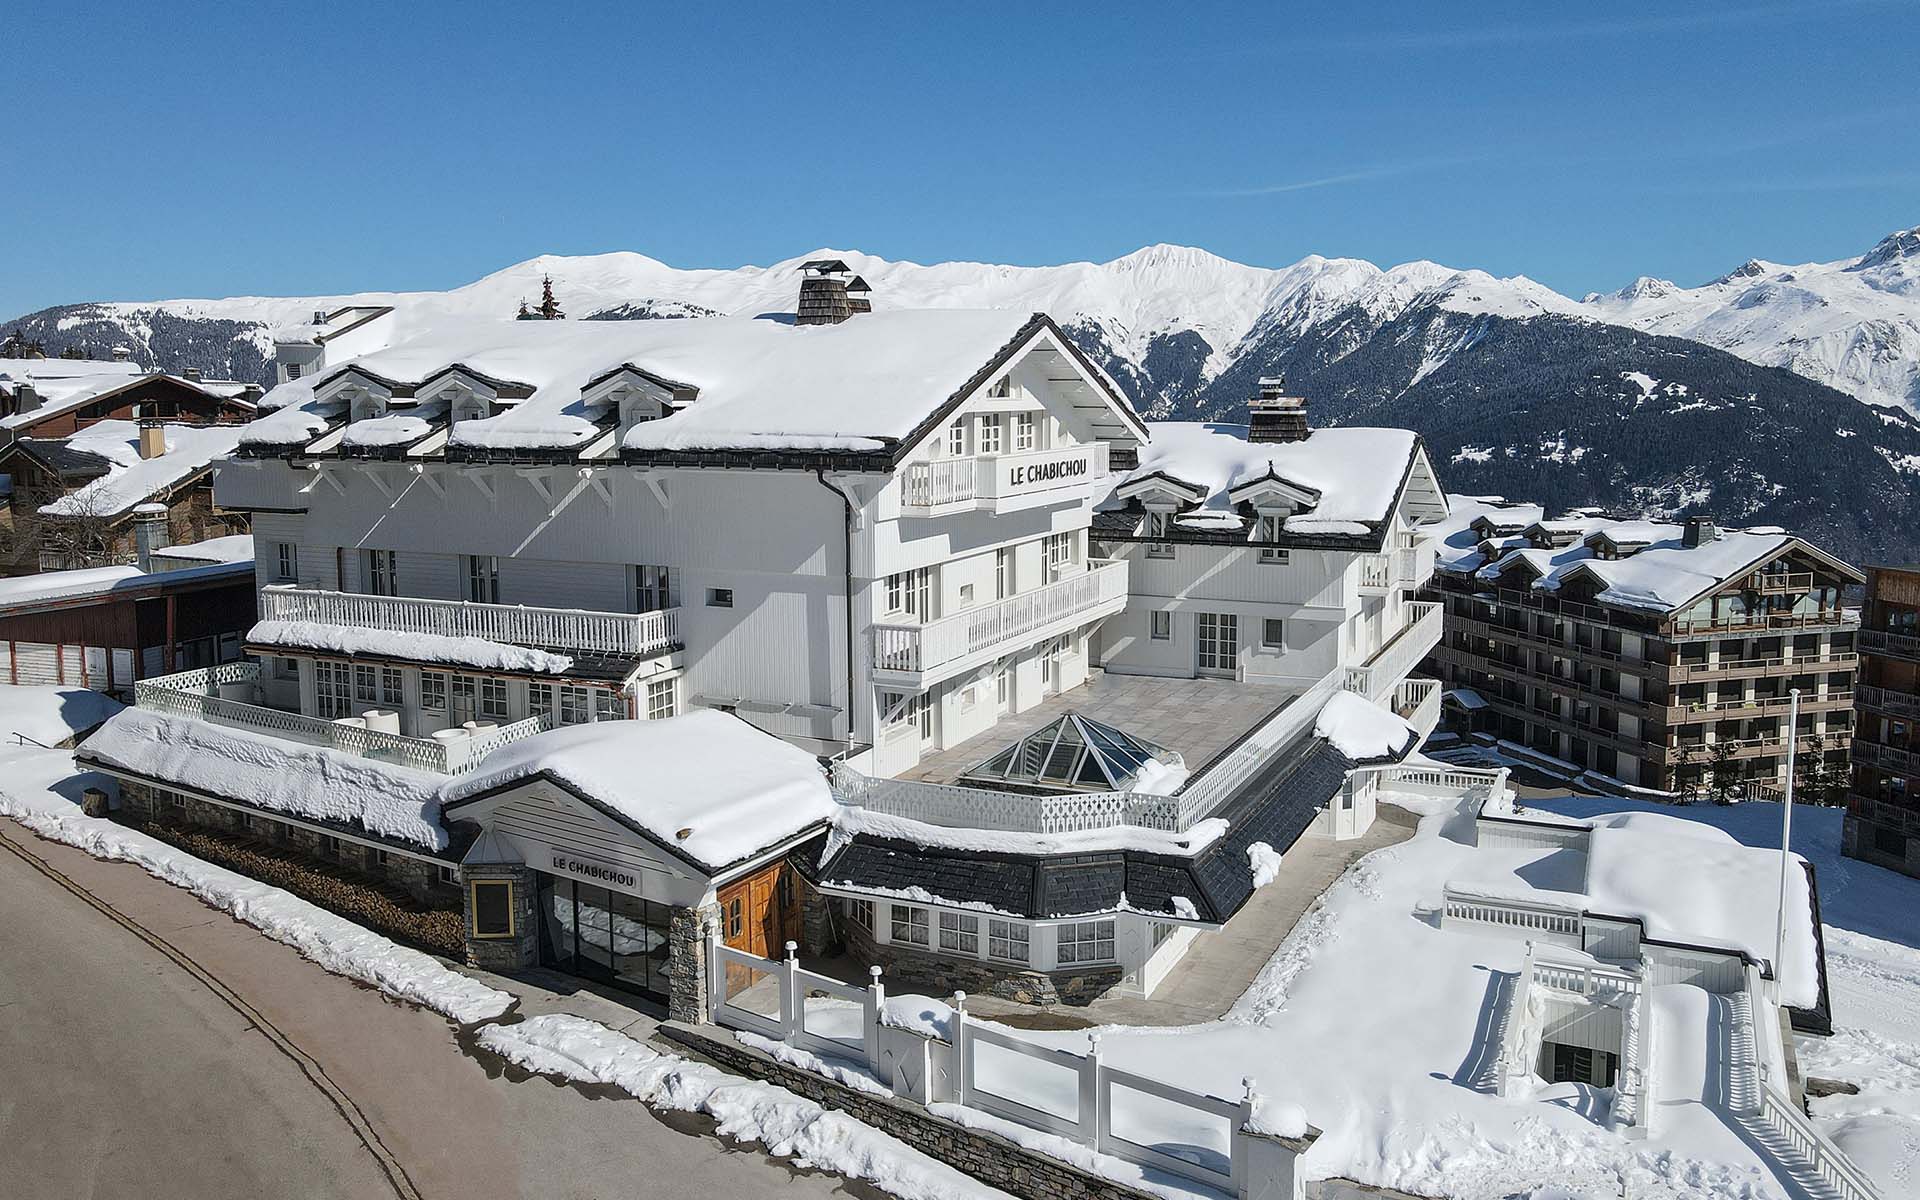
(1061, 551)
(287, 562)
(860, 912)
(433, 691)
(719, 597)
(383, 572)
(366, 683)
(1001, 388)
(957, 439)
(540, 699)
(990, 436)
(1160, 625)
(1024, 436)
(960, 933)
(481, 573)
(910, 594)
(1155, 527)
(1269, 529)
(392, 687)
(493, 698)
(1004, 573)
(576, 707)
(608, 705)
(1009, 941)
(1084, 943)
(662, 699)
(905, 921)
(1273, 633)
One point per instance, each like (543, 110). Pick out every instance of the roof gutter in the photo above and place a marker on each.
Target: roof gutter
(846, 563)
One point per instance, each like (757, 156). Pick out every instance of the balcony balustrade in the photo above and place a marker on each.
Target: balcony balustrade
(226, 695)
(999, 482)
(1887, 700)
(1892, 645)
(625, 634)
(1399, 656)
(918, 656)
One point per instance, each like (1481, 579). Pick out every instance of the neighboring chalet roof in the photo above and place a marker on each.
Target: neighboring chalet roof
(872, 385)
(60, 589)
(1656, 571)
(706, 787)
(1344, 482)
(62, 460)
(131, 480)
(1274, 808)
(63, 394)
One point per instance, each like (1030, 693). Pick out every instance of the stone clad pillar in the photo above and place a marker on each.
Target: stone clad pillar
(504, 954)
(687, 963)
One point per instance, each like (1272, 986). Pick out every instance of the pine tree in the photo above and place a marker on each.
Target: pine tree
(549, 307)
(525, 313)
(1724, 771)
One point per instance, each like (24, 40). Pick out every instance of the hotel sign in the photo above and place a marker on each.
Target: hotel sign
(565, 862)
(1035, 476)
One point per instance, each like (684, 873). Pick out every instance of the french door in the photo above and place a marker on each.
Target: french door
(1218, 644)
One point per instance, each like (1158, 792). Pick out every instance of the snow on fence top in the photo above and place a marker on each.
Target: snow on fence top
(275, 775)
(713, 787)
(1356, 471)
(762, 382)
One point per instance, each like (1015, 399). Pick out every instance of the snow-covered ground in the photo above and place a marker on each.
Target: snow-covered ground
(1872, 920)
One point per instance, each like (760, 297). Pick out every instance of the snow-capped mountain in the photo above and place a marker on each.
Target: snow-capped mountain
(1852, 324)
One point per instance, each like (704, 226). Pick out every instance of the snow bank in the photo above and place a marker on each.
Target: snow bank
(1362, 730)
(51, 715)
(275, 775)
(788, 1126)
(706, 783)
(27, 782)
(1264, 861)
(418, 647)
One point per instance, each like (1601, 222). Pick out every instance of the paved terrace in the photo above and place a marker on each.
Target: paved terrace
(1196, 717)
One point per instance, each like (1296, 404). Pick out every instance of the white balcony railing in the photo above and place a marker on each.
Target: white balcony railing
(1417, 701)
(225, 695)
(987, 628)
(1390, 665)
(1407, 567)
(514, 624)
(991, 481)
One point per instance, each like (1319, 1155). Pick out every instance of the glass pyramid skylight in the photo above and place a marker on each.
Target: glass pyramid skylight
(1074, 753)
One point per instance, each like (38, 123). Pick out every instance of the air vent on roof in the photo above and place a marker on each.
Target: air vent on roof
(824, 285)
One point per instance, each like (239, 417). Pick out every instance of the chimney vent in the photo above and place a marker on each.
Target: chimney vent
(859, 296)
(319, 316)
(191, 374)
(823, 293)
(150, 533)
(1273, 416)
(153, 438)
(1698, 532)
(121, 354)
(26, 398)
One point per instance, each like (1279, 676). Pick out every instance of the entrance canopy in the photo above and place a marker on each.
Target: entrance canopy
(1074, 753)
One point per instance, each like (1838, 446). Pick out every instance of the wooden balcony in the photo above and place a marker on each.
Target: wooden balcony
(1001, 482)
(1887, 758)
(915, 657)
(1889, 644)
(1886, 700)
(227, 695)
(1826, 619)
(585, 630)
(1758, 706)
(1750, 668)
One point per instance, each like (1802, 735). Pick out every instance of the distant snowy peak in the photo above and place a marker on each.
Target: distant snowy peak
(1895, 249)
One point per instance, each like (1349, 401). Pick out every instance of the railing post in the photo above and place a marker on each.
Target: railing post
(793, 1005)
(962, 1051)
(1237, 1139)
(716, 973)
(1092, 1118)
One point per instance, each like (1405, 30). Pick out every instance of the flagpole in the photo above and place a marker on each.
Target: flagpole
(1786, 835)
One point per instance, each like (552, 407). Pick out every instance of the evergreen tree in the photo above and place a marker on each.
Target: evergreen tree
(1724, 771)
(525, 313)
(1814, 777)
(73, 352)
(549, 307)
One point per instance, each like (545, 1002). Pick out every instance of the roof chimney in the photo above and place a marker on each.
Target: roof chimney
(859, 295)
(191, 374)
(26, 399)
(1274, 416)
(153, 438)
(121, 354)
(319, 316)
(823, 293)
(1698, 532)
(150, 533)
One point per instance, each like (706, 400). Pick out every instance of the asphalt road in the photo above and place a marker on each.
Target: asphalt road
(125, 1073)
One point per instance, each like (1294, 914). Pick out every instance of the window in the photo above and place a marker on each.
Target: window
(1273, 633)
(288, 668)
(960, 933)
(573, 706)
(1023, 431)
(1002, 388)
(286, 558)
(1161, 932)
(1007, 941)
(660, 699)
(910, 925)
(330, 845)
(1160, 625)
(910, 593)
(1155, 528)
(957, 440)
(450, 875)
(652, 589)
(364, 685)
(332, 689)
(493, 698)
(1085, 942)
(1268, 529)
(390, 680)
(966, 595)
(379, 858)
(1060, 554)
(719, 597)
(177, 799)
(736, 917)
(1003, 581)
(1003, 687)
(483, 577)
(860, 912)
(293, 370)
(492, 908)
(382, 572)
(903, 712)
(465, 689)
(539, 699)
(609, 705)
(989, 435)
(433, 691)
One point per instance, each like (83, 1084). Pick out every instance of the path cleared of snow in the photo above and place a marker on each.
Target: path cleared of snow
(788, 1126)
(40, 789)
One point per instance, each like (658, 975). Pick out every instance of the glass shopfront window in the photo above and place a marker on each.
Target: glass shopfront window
(610, 936)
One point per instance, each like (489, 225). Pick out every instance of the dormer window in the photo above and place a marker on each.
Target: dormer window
(1002, 388)
(368, 407)
(1268, 528)
(637, 408)
(1155, 528)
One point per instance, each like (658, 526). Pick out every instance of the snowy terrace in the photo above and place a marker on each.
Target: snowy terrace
(1438, 1088)
(231, 696)
(609, 633)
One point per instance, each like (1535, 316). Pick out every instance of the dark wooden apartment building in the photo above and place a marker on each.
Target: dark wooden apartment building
(1659, 655)
(1883, 802)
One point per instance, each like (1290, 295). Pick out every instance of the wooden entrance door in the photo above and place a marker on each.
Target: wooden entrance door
(753, 912)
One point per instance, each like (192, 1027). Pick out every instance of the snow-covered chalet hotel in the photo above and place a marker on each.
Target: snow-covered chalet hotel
(541, 601)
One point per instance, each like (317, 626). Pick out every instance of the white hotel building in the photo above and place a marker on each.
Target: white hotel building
(899, 542)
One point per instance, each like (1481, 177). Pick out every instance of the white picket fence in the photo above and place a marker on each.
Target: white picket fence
(1562, 923)
(1096, 1105)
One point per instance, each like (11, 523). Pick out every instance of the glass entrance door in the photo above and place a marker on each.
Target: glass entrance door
(1219, 644)
(589, 931)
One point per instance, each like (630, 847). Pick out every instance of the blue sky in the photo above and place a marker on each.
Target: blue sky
(180, 150)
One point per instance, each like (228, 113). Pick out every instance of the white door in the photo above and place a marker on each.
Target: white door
(1218, 644)
(1003, 689)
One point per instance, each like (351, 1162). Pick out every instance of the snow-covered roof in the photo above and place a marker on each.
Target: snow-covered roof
(414, 647)
(705, 785)
(231, 548)
(66, 384)
(50, 715)
(1363, 731)
(1356, 472)
(761, 382)
(24, 591)
(275, 774)
(133, 480)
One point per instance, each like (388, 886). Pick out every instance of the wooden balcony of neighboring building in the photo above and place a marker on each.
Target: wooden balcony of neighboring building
(1832, 619)
(1886, 700)
(1568, 686)
(1902, 817)
(1887, 758)
(585, 630)
(1883, 642)
(1754, 668)
(1701, 753)
(1690, 712)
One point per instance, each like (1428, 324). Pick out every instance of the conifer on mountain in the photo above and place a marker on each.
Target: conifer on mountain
(549, 307)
